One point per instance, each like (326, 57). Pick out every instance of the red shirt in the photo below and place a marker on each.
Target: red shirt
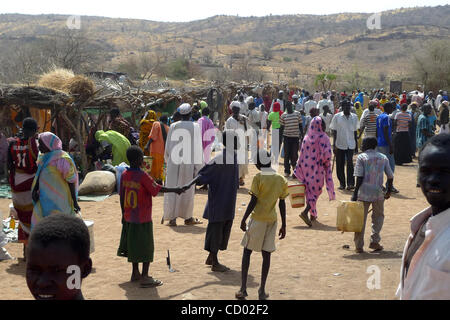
(137, 188)
(23, 154)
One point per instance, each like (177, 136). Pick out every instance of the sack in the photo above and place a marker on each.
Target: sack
(350, 216)
(98, 183)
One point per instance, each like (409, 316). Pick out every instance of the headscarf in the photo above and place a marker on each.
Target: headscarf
(403, 100)
(151, 116)
(51, 141)
(277, 108)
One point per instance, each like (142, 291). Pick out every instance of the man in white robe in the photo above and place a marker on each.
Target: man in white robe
(240, 124)
(184, 158)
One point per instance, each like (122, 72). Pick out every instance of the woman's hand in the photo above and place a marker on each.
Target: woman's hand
(76, 207)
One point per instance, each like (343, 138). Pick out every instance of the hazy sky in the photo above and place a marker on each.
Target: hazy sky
(185, 10)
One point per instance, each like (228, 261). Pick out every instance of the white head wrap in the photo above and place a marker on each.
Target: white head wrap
(236, 104)
(185, 108)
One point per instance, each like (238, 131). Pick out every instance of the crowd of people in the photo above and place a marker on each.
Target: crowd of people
(311, 132)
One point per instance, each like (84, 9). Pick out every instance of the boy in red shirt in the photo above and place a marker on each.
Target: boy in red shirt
(136, 242)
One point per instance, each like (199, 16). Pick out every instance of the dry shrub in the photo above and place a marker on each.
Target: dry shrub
(56, 79)
(80, 86)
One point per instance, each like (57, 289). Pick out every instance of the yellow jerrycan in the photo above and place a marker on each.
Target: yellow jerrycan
(350, 216)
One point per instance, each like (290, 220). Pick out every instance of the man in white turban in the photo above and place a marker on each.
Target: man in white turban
(184, 158)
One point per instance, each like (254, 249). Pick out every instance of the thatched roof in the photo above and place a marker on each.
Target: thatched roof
(32, 96)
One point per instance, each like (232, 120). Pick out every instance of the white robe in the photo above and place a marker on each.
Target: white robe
(182, 167)
(233, 124)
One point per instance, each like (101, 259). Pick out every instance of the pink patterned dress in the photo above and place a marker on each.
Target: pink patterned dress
(313, 166)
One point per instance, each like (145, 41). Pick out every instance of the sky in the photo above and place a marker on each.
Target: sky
(189, 10)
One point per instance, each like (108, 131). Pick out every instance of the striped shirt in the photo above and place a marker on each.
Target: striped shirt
(403, 119)
(369, 122)
(291, 122)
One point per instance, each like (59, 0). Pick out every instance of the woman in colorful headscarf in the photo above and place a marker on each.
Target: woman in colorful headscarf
(156, 145)
(55, 186)
(145, 127)
(313, 166)
(119, 144)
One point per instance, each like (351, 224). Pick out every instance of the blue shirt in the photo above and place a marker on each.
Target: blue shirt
(383, 120)
(258, 102)
(221, 175)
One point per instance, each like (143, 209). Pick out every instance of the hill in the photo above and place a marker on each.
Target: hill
(288, 47)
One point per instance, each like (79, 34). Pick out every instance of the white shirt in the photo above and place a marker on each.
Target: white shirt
(253, 117)
(244, 108)
(437, 102)
(327, 120)
(263, 119)
(233, 124)
(345, 130)
(366, 111)
(428, 276)
(298, 106)
(324, 102)
(309, 105)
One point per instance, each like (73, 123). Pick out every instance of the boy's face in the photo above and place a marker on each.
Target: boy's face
(434, 176)
(47, 271)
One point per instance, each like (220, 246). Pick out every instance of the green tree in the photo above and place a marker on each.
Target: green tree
(325, 81)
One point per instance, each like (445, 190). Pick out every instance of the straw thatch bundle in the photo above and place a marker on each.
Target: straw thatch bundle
(55, 79)
(80, 86)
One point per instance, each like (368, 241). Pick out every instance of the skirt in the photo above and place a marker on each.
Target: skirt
(136, 242)
(157, 171)
(402, 148)
(23, 204)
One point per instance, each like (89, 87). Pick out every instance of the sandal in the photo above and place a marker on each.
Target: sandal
(241, 295)
(263, 295)
(305, 219)
(219, 268)
(192, 221)
(172, 223)
(150, 283)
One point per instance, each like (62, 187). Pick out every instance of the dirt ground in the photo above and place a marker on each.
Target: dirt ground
(310, 263)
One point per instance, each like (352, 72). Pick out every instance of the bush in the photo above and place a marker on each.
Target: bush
(287, 59)
(178, 69)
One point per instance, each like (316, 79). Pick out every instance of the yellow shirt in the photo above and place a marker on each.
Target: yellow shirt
(268, 188)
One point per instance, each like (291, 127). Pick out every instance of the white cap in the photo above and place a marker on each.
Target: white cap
(236, 104)
(295, 96)
(185, 108)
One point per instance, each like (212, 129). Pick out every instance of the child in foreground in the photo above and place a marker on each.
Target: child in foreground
(136, 242)
(425, 271)
(267, 187)
(221, 175)
(56, 243)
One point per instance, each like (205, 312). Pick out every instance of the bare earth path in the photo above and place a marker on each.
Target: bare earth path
(308, 263)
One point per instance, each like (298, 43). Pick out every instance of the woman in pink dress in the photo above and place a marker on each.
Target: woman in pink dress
(313, 166)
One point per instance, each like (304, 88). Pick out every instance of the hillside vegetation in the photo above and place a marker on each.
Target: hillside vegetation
(291, 47)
